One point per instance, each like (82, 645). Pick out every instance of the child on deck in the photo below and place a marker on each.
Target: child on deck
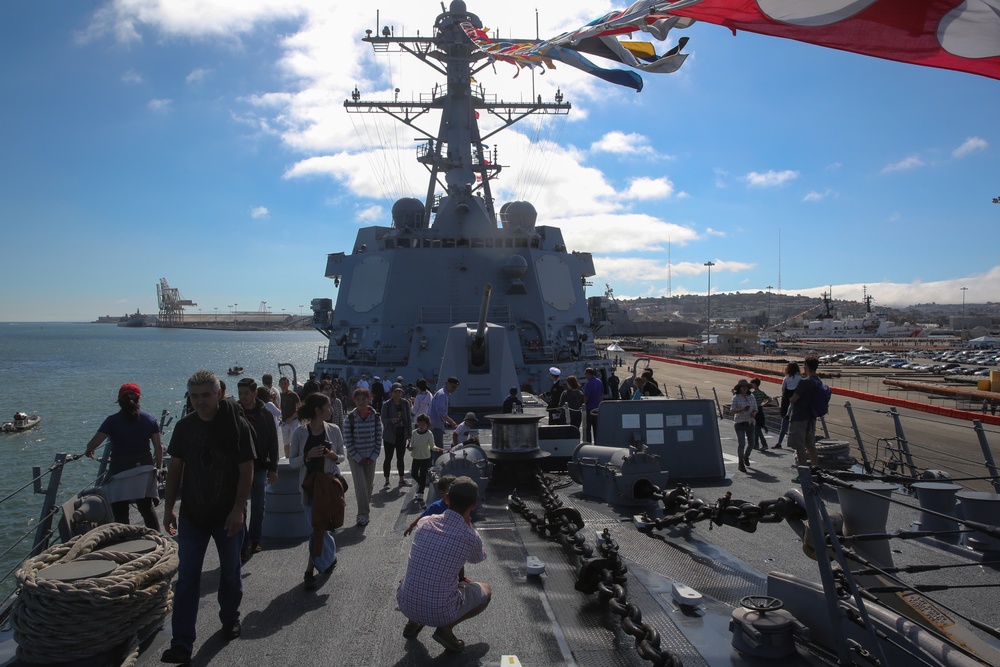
(421, 444)
(436, 507)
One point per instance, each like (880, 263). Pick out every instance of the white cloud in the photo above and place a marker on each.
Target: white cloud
(714, 232)
(819, 196)
(770, 178)
(125, 20)
(970, 145)
(370, 214)
(910, 162)
(983, 287)
(656, 271)
(259, 212)
(645, 233)
(131, 76)
(197, 75)
(649, 188)
(159, 105)
(720, 177)
(623, 144)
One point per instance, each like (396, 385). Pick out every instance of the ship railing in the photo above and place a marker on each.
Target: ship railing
(890, 451)
(456, 314)
(46, 530)
(47, 483)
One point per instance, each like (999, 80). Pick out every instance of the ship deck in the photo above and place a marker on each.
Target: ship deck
(352, 619)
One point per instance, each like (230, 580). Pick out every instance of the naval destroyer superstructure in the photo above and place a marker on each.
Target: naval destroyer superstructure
(456, 286)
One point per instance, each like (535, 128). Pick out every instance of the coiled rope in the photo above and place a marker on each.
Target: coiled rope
(59, 621)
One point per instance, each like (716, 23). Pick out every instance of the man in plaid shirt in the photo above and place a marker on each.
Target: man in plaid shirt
(433, 590)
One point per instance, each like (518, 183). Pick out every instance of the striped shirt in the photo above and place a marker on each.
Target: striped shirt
(741, 401)
(363, 436)
(442, 545)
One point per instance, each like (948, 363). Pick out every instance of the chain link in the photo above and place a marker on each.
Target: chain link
(604, 574)
(680, 507)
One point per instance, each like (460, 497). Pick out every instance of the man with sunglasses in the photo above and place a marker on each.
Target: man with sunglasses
(211, 463)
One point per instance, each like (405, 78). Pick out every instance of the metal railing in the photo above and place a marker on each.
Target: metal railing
(47, 483)
(896, 451)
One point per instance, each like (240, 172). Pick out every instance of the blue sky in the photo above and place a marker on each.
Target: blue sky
(206, 142)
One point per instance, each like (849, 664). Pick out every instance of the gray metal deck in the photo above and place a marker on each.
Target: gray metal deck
(352, 619)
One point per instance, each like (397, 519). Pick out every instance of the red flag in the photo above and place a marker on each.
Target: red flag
(961, 35)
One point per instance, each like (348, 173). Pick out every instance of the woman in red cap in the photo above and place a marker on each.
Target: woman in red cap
(132, 475)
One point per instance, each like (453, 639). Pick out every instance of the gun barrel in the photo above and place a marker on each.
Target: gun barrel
(481, 328)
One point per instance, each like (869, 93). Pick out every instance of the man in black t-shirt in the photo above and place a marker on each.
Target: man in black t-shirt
(802, 423)
(288, 401)
(265, 464)
(211, 463)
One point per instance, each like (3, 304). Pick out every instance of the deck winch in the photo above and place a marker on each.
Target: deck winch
(467, 460)
(762, 629)
(618, 475)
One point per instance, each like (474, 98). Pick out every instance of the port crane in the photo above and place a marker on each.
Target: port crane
(171, 303)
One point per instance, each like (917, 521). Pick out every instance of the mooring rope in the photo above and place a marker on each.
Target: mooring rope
(59, 621)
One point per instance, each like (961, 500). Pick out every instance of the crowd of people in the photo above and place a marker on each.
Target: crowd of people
(795, 406)
(225, 450)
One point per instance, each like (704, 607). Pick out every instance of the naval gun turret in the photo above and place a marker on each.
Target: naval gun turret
(409, 291)
(482, 358)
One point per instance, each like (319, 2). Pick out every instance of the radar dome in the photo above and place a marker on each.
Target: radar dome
(408, 213)
(520, 215)
(515, 266)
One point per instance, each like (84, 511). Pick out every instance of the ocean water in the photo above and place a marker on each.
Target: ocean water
(69, 373)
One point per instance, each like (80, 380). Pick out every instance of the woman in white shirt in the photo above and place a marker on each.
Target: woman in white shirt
(792, 378)
(743, 408)
(317, 447)
(422, 402)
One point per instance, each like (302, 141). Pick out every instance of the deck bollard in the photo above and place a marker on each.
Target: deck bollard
(984, 507)
(866, 509)
(283, 516)
(938, 497)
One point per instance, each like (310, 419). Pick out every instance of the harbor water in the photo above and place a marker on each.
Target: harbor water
(69, 373)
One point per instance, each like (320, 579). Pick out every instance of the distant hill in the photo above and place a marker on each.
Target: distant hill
(759, 308)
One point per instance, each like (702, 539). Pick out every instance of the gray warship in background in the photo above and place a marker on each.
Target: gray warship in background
(455, 286)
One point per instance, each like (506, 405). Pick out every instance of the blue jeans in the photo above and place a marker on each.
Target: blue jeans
(257, 502)
(783, 431)
(744, 432)
(759, 438)
(192, 542)
(325, 559)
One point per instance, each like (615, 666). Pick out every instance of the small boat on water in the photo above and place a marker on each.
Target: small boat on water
(235, 370)
(21, 422)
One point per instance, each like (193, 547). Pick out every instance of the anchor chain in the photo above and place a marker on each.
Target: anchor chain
(680, 507)
(604, 574)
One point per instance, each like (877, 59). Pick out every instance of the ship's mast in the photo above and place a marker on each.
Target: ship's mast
(455, 154)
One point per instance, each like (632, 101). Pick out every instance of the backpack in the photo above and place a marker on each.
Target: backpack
(821, 399)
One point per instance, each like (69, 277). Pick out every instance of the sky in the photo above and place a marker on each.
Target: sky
(206, 142)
